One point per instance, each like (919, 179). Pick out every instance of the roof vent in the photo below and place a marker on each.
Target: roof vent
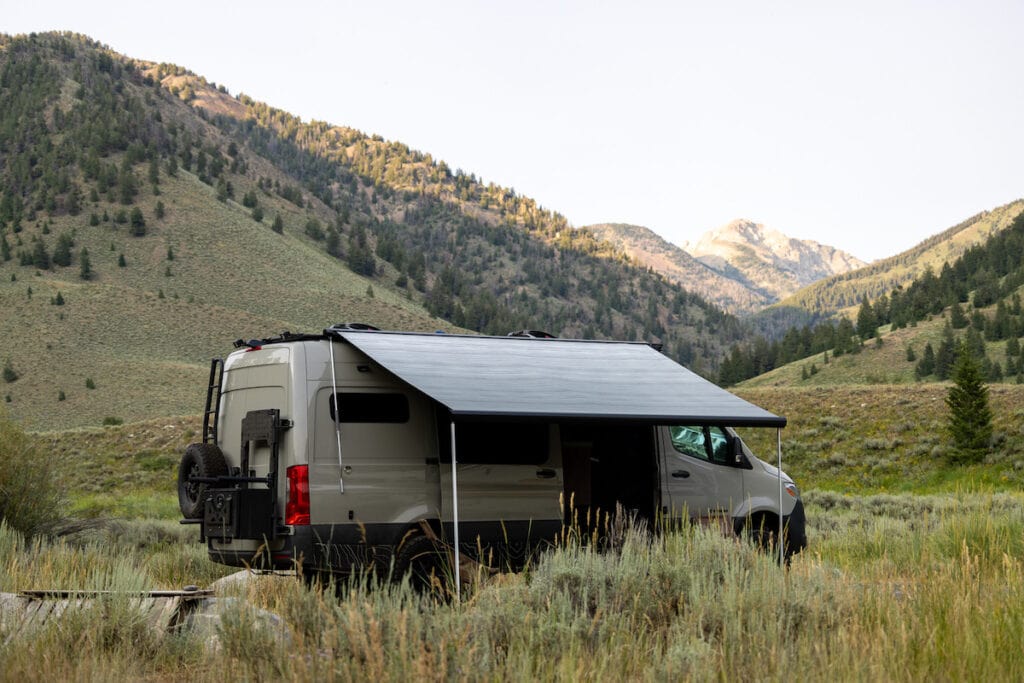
(532, 334)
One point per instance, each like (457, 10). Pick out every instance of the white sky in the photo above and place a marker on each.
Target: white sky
(868, 126)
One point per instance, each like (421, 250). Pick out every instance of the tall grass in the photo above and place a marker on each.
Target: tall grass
(892, 588)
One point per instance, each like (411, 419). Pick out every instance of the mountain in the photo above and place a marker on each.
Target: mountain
(148, 217)
(767, 261)
(647, 248)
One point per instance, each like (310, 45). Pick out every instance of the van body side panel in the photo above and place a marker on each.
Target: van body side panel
(384, 465)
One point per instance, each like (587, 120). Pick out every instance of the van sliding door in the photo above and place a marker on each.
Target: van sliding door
(509, 479)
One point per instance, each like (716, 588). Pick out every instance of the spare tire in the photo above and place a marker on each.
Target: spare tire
(200, 460)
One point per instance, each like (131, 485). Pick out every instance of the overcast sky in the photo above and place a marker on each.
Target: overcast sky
(868, 126)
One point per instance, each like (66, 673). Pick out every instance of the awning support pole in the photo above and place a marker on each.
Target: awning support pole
(782, 550)
(337, 417)
(455, 519)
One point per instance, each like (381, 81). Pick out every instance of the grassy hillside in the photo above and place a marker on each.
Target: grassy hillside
(144, 333)
(885, 438)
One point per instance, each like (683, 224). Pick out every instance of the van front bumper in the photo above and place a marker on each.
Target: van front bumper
(795, 525)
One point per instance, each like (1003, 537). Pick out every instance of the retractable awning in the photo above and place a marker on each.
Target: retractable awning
(547, 379)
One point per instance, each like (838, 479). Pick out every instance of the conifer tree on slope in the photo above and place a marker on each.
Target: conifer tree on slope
(970, 418)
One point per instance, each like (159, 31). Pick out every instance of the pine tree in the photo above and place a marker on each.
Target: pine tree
(10, 374)
(138, 222)
(970, 418)
(925, 366)
(867, 321)
(85, 266)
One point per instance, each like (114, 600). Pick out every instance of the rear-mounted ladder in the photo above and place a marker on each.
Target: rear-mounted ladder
(213, 390)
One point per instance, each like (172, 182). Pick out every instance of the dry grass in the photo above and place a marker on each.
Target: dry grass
(894, 588)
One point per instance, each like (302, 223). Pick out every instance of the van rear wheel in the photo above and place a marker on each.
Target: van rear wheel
(200, 460)
(424, 561)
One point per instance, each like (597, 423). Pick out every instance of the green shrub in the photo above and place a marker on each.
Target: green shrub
(30, 501)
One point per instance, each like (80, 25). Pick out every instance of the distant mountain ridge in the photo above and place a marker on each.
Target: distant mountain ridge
(768, 261)
(651, 250)
(742, 267)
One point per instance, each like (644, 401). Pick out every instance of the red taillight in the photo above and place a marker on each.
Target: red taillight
(296, 510)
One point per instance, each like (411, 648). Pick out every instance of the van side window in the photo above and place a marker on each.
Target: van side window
(689, 441)
(494, 443)
(706, 443)
(364, 407)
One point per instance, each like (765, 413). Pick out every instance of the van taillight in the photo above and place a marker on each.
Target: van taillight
(296, 510)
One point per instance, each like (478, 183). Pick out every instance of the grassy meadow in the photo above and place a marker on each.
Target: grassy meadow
(893, 588)
(915, 571)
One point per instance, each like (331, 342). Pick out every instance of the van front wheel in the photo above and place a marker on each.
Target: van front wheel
(200, 460)
(761, 530)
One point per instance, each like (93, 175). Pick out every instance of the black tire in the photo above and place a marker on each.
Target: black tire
(763, 531)
(200, 460)
(425, 563)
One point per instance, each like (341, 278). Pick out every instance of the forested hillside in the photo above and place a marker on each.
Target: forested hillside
(974, 299)
(147, 216)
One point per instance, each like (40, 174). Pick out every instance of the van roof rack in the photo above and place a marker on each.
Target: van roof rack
(354, 326)
(285, 336)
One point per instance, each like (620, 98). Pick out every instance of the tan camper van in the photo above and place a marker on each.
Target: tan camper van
(358, 447)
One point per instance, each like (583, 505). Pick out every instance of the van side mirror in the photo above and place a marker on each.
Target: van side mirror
(736, 450)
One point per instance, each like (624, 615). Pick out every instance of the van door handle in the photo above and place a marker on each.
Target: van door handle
(545, 474)
(681, 474)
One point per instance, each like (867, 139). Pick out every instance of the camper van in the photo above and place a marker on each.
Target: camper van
(358, 448)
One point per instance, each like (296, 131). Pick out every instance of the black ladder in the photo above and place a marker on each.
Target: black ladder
(213, 401)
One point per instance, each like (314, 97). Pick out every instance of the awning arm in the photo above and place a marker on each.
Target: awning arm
(337, 417)
(455, 519)
(782, 549)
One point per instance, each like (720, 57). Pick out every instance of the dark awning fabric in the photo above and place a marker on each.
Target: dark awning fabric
(526, 378)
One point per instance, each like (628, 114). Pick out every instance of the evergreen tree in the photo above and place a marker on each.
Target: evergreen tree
(138, 222)
(10, 374)
(946, 354)
(85, 267)
(62, 252)
(278, 225)
(867, 321)
(957, 318)
(40, 257)
(925, 366)
(1013, 347)
(970, 418)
